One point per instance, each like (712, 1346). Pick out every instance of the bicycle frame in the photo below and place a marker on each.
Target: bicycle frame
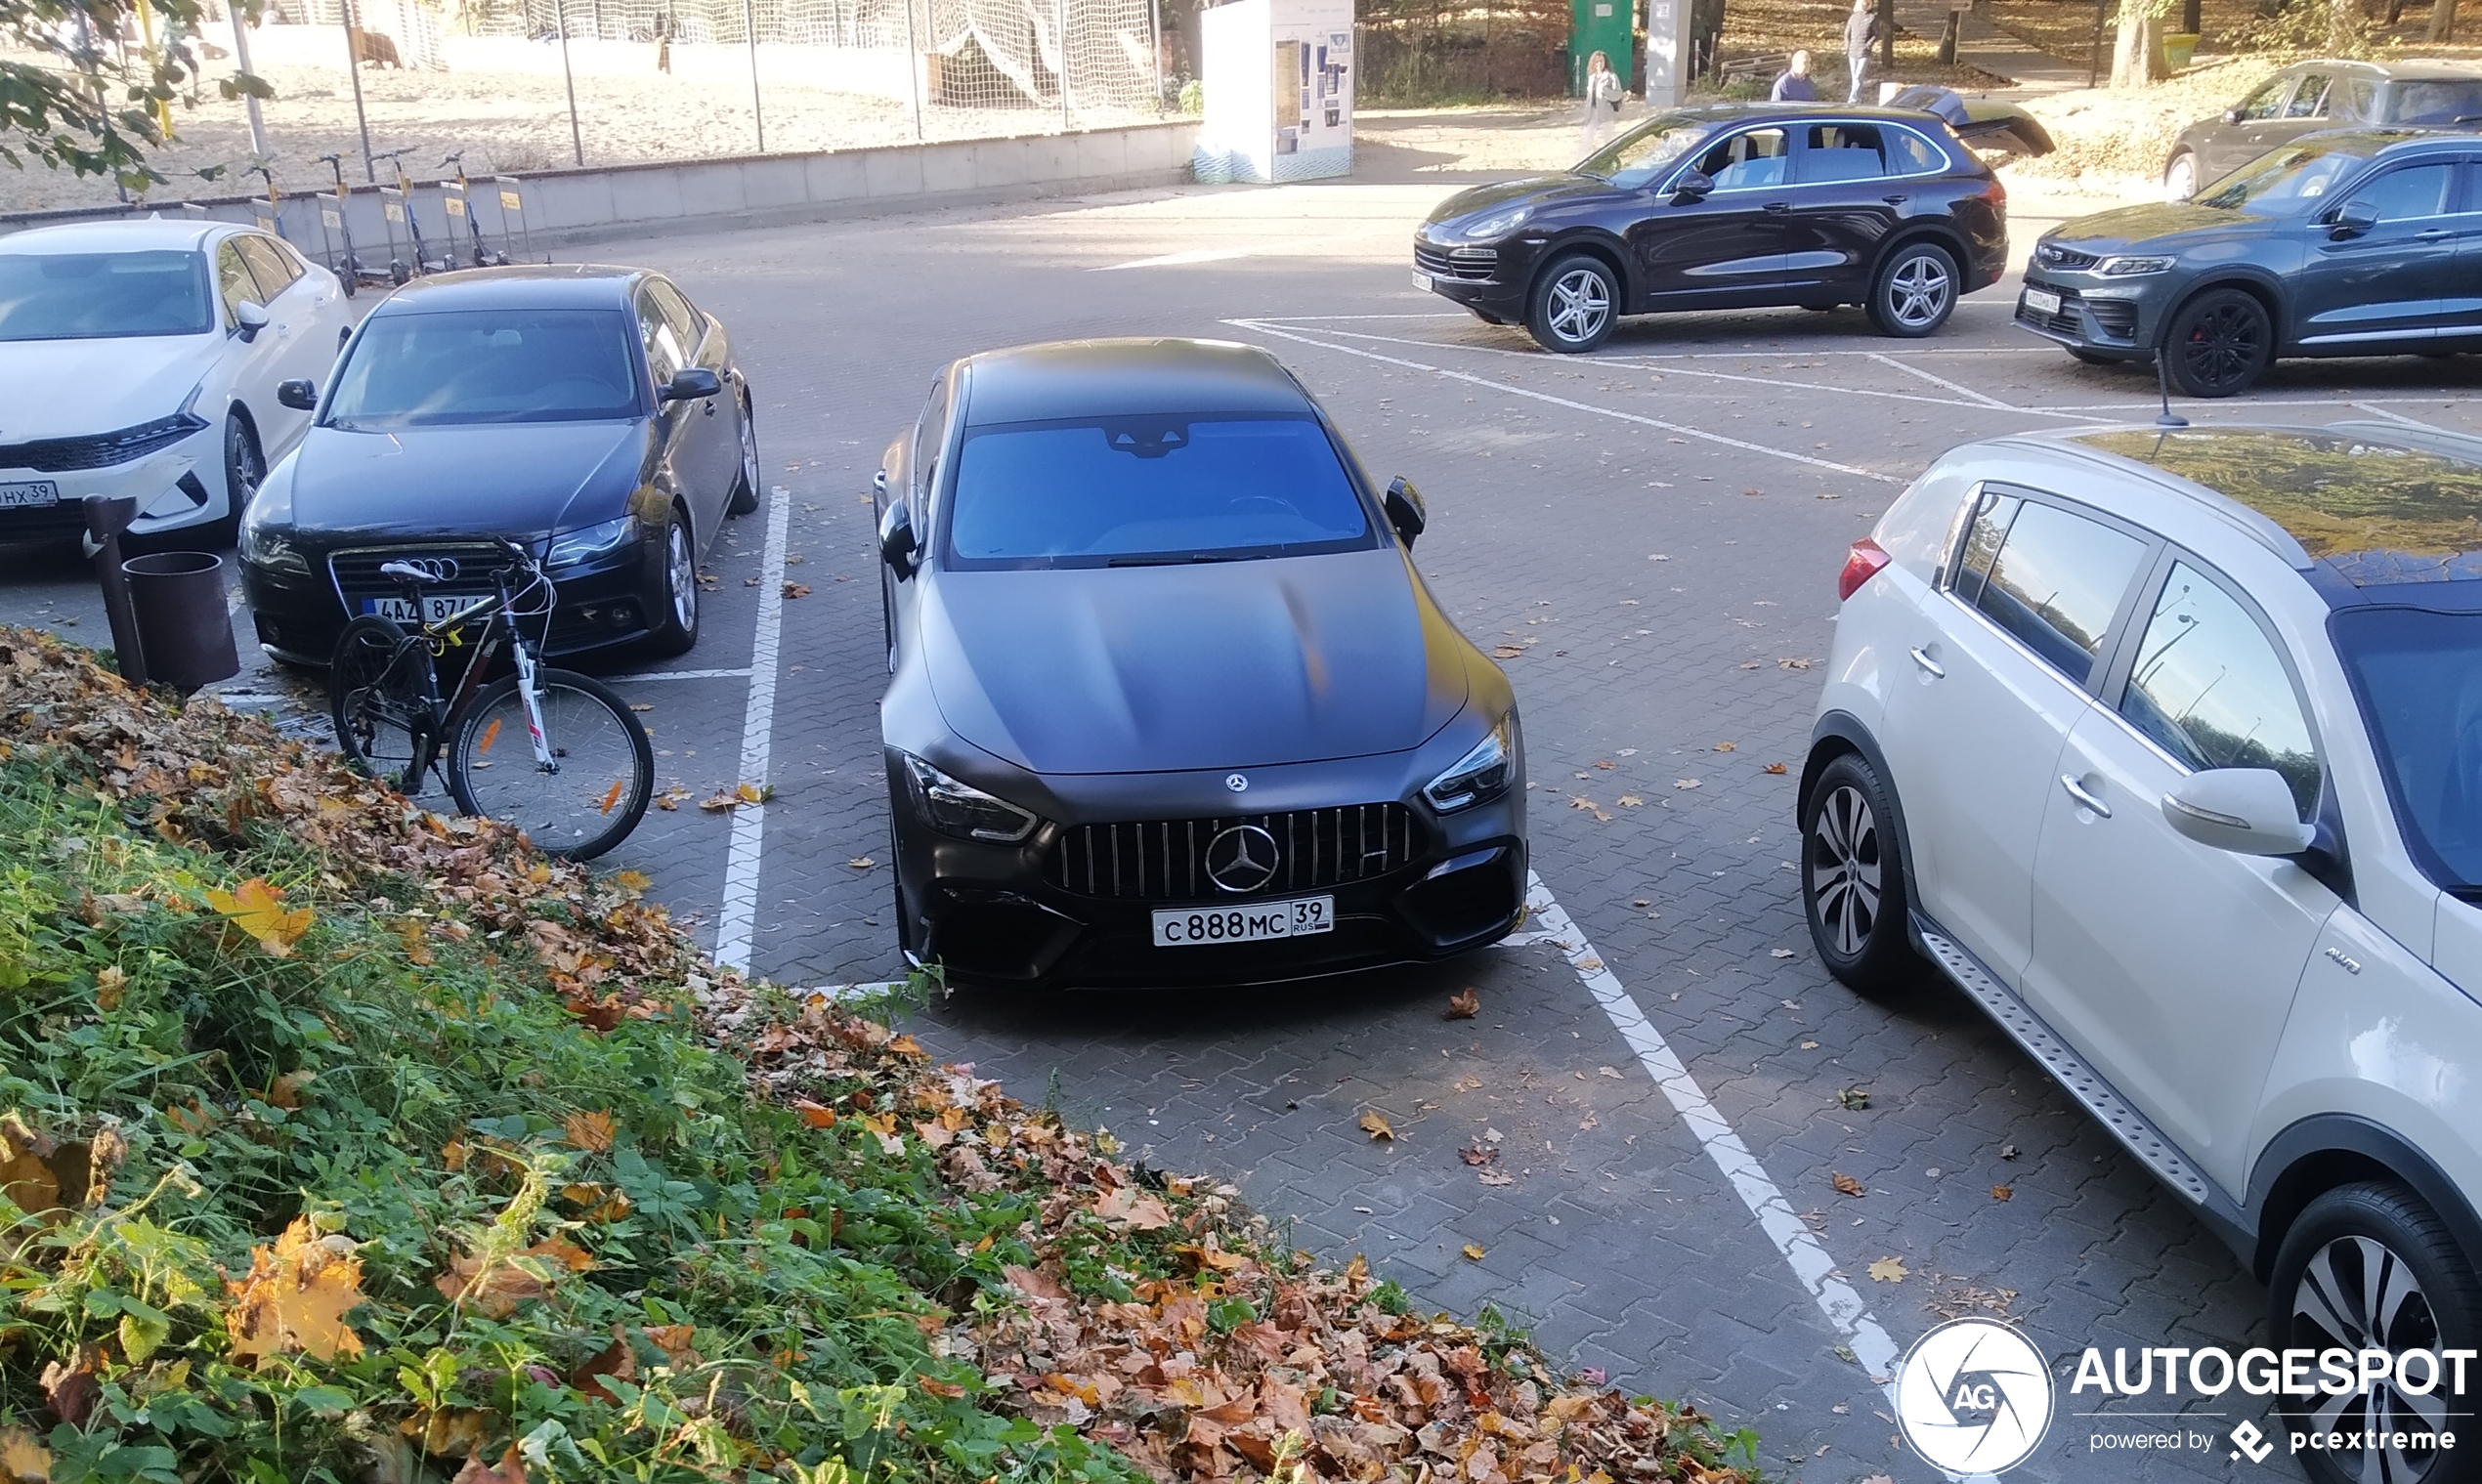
(433, 637)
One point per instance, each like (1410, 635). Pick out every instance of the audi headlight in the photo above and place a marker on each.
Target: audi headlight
(588, 542)
(1498, 223)
(962, 809)
(1479, 776)
(266, 537)
(2123, 268)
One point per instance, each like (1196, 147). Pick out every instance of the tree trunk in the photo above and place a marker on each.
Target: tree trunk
(2137, 55)
(1887, 41)
(2443, 20)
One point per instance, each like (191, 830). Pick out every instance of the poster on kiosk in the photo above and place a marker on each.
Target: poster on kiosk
(1278, 77)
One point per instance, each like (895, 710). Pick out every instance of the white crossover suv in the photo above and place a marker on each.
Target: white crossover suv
(2165, 745)
(142, 360)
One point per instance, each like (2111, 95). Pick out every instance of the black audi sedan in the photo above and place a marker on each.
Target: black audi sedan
(592, 414)
(1170, 703)
(1740, 206)
(2362, 242)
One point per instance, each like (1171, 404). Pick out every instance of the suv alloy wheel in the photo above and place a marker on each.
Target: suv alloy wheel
(1575, 303)
(1853, 878)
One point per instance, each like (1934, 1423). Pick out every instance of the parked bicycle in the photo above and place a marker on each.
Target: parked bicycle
(551, 751)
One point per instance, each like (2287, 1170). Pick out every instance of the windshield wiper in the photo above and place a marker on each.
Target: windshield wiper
(1168, 560)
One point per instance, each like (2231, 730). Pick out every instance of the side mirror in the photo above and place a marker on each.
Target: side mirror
(1692, 187)
(2248, 811)
(691, 383)
(2232, 115)
(2351, 220)
(1405, 512)
(301, 396)
(897, 546)
(250, 318)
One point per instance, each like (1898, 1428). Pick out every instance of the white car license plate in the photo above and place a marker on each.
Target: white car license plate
(1422, 281)
(436, 607)
(32, 495)
(2042, 301)
(1258, 922)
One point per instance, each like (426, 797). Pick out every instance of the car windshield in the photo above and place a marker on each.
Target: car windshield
(2418, 676)
(103, 295)
(1147, 491)
(425, 368)
(2287, 180)
(1638, 156)
(2438, 100)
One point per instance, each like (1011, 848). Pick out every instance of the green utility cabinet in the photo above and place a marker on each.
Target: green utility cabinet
(1609, 27)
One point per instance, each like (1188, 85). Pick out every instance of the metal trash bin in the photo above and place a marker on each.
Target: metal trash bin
(185, 631)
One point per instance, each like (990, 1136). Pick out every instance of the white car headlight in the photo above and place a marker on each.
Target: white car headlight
(960, 809)
(2123, 268)
(1481, 775)
(590, 541)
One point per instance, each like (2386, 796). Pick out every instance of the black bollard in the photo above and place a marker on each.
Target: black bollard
(105, 520)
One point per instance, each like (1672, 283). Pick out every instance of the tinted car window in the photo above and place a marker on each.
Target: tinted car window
(1842, 152)
(2310, 100)
(103, 295)
(1139, 490)
(2264, 102)
(1751, 160)
(2287, 180)
(232, 281)
(665, 352)
(2055, 583)
(1908, 153)
(2448, 102)
(2350, 100)
(2210, 690)
(1982, 543)
(930, 437)
(2418, 678)
(487, 367)
(689, 327)
(1646, 151)
(274, 271)
(2419, 190)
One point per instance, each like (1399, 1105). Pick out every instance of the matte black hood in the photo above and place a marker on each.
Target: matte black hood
(1541, 190)
(509, 478)
(1232, 664)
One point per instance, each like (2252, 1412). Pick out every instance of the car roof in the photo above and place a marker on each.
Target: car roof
(1740, 112)
(2366, 504)
(1086, 378)
(2408, 70)
(128, 234)
(2396, 141)
(534, 286)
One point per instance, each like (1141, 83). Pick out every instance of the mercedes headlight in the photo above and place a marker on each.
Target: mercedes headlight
(590, 541)
(1498, 223)
(1479, 776)
(962, 809)
(2123, 268)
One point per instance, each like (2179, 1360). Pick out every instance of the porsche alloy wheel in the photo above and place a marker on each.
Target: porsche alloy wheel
(1575, 303)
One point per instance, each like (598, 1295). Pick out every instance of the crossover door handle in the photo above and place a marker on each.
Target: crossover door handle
(2084, 798)
(1928, 665)
(1896, 200)
(1779, 206)
(2433, 235)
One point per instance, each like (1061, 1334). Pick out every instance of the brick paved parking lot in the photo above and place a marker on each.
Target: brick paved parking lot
(1650, 535)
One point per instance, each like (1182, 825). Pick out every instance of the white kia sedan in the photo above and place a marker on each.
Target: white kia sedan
(2165, 745)
(142, 358)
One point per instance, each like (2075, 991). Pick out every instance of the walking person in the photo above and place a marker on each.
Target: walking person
(663, 42)
(1602, 101)
(1861, 28)
(1793, 84)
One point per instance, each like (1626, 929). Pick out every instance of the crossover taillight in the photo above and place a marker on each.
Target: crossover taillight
(1861, 565)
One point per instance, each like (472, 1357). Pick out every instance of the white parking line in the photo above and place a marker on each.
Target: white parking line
(1178, 259)
(1799, 1247)
(739, 909)
(739, 674)
(1684, 429)
(2397, 418)
(1886, 359)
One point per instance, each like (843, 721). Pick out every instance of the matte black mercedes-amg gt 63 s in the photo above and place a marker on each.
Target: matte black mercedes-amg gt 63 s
(1170, 703)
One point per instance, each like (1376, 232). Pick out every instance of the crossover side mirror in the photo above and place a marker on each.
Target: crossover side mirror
(2248, 811)
(1692, 187)
(2351, 220)
(301, 396)
(897, 546)
(691, 383)
(2232, 115)
(1405, 510)
(248, 320)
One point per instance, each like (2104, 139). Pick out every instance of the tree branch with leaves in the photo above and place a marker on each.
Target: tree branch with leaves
(98, 95)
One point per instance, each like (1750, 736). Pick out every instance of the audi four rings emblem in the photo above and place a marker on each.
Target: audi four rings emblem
(1241, 858)
(1237, 783)
(437, 569)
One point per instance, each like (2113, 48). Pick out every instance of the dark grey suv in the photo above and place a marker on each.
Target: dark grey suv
(2359, 243)
(2308, 97)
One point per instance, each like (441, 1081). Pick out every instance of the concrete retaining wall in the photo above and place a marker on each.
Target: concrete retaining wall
(568, 207)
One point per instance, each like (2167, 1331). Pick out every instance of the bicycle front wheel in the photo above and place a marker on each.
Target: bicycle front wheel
(596, 786)
(376, 698)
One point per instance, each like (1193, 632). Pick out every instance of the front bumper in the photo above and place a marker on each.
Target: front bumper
(2105, 315)
(603, 602)
(176, 487)
(1016, 916)
(1491, 277)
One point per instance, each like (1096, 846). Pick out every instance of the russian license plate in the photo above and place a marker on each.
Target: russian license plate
(437, 607)
(1422, 281)
(1258, 922)
(31, 495)
(2042, 301)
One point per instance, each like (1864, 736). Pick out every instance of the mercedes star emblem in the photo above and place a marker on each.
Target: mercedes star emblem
(1242, 858)
(1236, 782)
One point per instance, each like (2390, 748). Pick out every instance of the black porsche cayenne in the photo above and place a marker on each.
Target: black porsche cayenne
(1170, 703)
(1742, 206)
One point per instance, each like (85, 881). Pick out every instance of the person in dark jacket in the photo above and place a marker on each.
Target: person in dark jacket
(1793, 84)
(1861, 28)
